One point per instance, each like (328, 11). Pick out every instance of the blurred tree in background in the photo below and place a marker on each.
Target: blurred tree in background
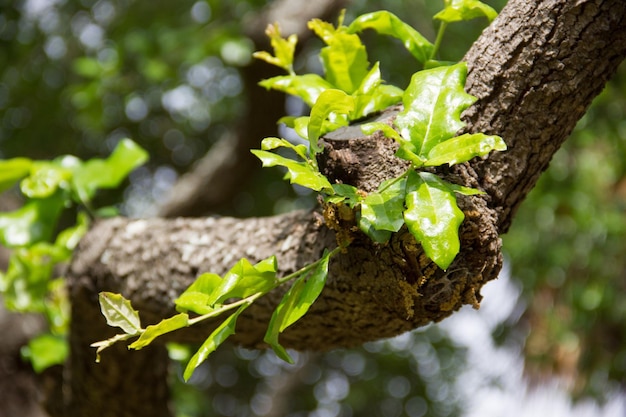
(177, 77)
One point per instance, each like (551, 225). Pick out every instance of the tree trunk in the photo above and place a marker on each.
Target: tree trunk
(534, 70)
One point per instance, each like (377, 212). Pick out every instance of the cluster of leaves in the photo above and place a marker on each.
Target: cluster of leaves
(349, 90)
(425, 130)
(211, 296)
(49, 187)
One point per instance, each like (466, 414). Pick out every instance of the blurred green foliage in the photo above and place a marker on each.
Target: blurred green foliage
(567, 248)
(77, 76)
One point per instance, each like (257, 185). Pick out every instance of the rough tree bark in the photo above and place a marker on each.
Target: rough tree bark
(534, 70)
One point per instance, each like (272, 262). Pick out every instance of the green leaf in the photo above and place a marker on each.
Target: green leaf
(26, 284)
(283, 49)
(433, 217)
(433, 104)
(373, 96)
(197, 296)
(463, 148)
(373, 127)
(69, 238)
(216, 338)
(110, 172)
(461, 10)
(344, 193)
(330, 101)
(44, 179)
(270, 143)
(308, 87)
(463, 190)
(294, 304)
(119, 312)
(300, 173)
(386, 23)
(344, 58)
(384, 210)
(164, 326)
(33, 222)
(13, 170)
(45, 351)
(245, 279)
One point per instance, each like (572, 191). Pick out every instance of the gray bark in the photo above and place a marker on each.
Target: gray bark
(535, 71)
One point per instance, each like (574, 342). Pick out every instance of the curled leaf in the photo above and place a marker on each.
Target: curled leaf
(386, 23)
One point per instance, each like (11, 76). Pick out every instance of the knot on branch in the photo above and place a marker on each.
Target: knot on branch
(413, 288)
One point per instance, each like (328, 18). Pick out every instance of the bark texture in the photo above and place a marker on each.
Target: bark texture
(535, 71)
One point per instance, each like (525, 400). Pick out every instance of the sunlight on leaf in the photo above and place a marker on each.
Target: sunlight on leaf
(433, 103)
(330, 101)
(119, 312)
(460, 10)
(283, 49)
(300, 173)
(433, 217)
(386, 23)
(463, 148)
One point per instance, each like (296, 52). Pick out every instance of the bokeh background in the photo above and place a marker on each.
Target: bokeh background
(178, 78)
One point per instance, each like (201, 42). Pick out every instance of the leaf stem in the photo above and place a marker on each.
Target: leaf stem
(440, 32)
(395, 180)
(306, 268)
(252, 298)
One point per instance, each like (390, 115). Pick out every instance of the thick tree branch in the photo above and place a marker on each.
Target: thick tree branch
(535, 71)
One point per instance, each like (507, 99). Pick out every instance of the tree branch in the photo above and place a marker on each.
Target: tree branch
(535, 71)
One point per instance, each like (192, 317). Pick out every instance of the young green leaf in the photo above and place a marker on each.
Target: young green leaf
(384, 210)
(386, 23)
(433, 217)
(308, 87)
(300, 173)
(196, 297)
(216, 338)
(33, 222)
(461, 10)
(344, 58)
(433, 103)
(46, 350)
(68, 239)
(110, 172)
(344, 193)
(283, 49)
(373, 96)
(119, 312)
(270, 143)
(44, 179)
(294, 304)
(463, 190)
(330, 101)
(463, 148)
(176, 322)
(245, 279)
(13, 170)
